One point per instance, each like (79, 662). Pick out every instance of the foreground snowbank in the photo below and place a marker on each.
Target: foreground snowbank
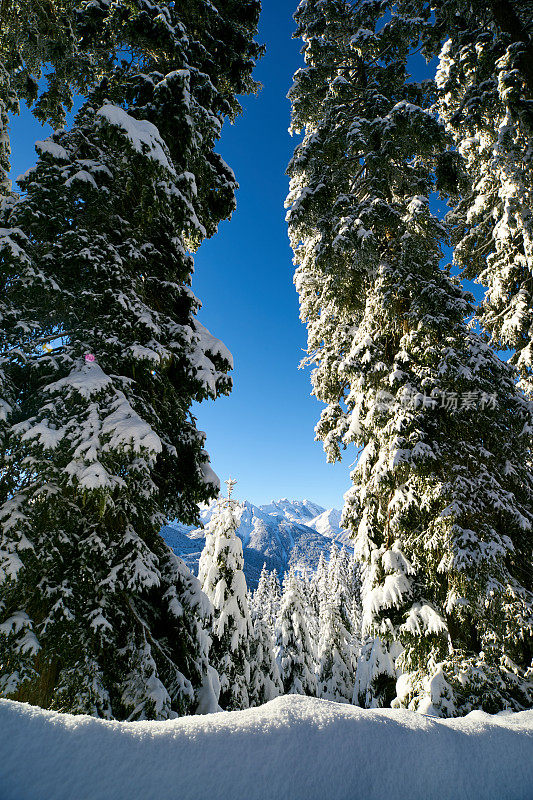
(294, 747)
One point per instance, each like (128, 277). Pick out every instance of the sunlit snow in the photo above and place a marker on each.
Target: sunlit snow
(293, 748)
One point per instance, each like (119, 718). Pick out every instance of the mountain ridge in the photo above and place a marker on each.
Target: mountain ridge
(277, 534)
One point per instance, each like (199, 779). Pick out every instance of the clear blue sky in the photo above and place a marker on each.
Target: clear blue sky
(262, 434)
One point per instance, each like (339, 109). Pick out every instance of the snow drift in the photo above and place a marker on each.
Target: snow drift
(293, 747)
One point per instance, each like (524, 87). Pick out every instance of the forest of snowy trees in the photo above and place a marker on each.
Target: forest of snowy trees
(102, 357)
(302, 637)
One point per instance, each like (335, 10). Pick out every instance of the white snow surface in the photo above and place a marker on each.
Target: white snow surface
(293, 748)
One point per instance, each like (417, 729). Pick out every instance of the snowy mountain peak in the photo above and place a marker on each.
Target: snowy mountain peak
(294, 510)
(276, 534)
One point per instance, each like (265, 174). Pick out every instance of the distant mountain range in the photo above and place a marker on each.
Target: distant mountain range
(280, 533)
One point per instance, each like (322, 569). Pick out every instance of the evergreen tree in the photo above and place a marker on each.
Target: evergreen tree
(274, 599)
(375, 673)
(7, 103)
(294, 644)
(335, 676)
(84, 44)
(335, 585)
(51, 50)
(350, 588)
(221, 574)
(441, 497)
(265, 679)
(336, 652)
(83, 507)
(266, 598)
(260, 599)
(97, 613)
(33, 34)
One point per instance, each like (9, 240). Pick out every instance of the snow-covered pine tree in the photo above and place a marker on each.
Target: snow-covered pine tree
(349, 584)
(37, 38)
(264, 601)
(375, 673)
(305, 577)
(221, 575)
(441, 497)
(89, 475)
(484, 95)
(73, 45)
(274, 600)
(265, 679)
(355, 612)
(115, 613)
(344, 587)
(261, 597)
(336, 667)
(295, 650)
(7, 103)
(210, 63)
(319, 595)
(266, 598)
(29, 40)
(335, 651)
(335, 587)
(79, 43)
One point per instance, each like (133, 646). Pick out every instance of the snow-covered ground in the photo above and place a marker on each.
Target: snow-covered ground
(294, 747)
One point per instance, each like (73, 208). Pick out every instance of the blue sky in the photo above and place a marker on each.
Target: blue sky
(262, 434)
